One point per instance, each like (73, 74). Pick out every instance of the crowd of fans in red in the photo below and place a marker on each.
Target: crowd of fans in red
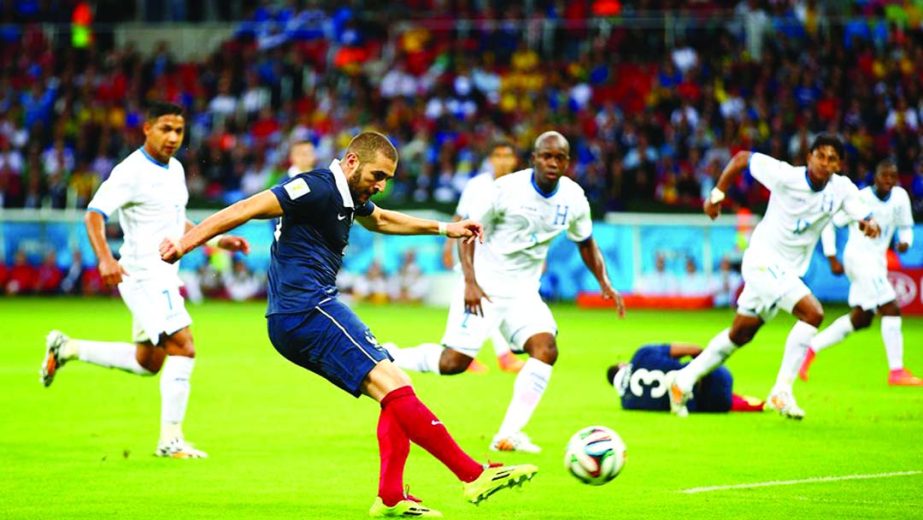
(653, 110)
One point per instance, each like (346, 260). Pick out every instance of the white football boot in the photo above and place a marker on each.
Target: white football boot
(518, 441)
(178, 448)
(783, 402)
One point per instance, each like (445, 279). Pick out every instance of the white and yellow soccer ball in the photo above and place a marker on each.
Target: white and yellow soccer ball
(595, 455)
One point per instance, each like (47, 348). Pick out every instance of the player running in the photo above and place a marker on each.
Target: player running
(640, 382)
(148, 189)
(502, 160)
(310, 327)
(867, 270)
(522, 213)
(802, 201)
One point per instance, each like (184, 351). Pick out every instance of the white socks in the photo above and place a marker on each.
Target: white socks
(835, 333)
(501, 346)
(422, 358)
(796, 346)
(894, 341)
(718, 350)
(108, 354)
(527, 392)
(174, 395)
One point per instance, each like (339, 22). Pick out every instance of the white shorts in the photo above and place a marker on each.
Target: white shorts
(769, 287)
(518, 318)
(156, 308)
(869, 288)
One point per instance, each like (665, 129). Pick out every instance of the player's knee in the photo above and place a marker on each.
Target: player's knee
(546, 353)
(814, 317)
(741, 336)
(452, 363)
(862, 320)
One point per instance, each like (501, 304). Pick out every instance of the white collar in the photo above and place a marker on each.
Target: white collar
(342, 185)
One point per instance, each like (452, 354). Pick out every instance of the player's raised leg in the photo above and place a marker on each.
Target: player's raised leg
(60, 349)
(831, 335)
(506, 360)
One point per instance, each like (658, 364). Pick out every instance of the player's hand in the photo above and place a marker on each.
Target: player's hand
(473, 296)
(466, 230)
(835, 266)
(712, 210)
(170, 250)
(111, 271)
(234, 243)
(902, 247)
(611, 294)
(870, 228)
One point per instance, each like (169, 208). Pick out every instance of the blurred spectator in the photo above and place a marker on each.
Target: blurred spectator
(49, 275)
(694, 282)
(371, 286)
(72, 282)
(23, 277)
(302, 157)
(409, 284)
(241, 283)
(659, 282)
(726, 285)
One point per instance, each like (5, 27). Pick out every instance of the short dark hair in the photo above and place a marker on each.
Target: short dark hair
(885, 164)
(501, 143)
(828, 139)
(156, 109)
(367, 144)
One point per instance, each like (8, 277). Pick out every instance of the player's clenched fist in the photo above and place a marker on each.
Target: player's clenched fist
(467, 230)
(170, 250)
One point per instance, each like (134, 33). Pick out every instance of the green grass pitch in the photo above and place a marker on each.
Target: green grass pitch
(286, 444)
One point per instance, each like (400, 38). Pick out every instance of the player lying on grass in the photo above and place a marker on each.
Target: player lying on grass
(641, 382)
(312, 328)
(867, 269)
(802, 200)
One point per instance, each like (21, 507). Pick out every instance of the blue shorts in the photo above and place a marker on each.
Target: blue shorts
(329, 340)
(713, 392)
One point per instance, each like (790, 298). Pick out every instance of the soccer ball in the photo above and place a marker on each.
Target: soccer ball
(595, 455)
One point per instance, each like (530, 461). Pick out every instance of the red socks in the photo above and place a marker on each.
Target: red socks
(404, 417)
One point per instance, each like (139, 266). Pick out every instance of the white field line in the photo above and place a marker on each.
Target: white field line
(812, 480)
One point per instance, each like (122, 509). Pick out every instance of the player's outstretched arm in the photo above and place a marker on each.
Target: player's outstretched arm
(737, 164)
(226, 242)
(396, 223)
(593, 259)
(260, 206)
(473, 292)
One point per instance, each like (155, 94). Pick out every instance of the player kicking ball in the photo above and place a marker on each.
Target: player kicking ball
(640, 383)
(522, 213)
(148, 189)
(801, 202)
(310, 327)
(866, 267)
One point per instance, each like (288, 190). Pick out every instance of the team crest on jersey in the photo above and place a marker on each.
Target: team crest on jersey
(297, 188)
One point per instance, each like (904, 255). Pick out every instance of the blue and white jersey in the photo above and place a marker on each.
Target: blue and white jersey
(520, 222)
(797, 213)
(150, 197)
(311, 239)
(641, 385)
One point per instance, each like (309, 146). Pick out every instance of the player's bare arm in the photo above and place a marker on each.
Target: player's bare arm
(391, 222)
(836, 267)
(448, 257)
(593, 258)
(473, 291)
(263, 205)
(109, 269)
(737, 164)
(678, 350)
(226, 242)
(870, 227)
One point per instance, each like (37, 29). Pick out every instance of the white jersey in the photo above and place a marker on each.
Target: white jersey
(519, 223)
(797, 213)
(151, 199)
(892, 214)
(477, 187)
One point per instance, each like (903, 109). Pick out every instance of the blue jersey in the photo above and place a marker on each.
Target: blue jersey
(641, 384)
(311, 238)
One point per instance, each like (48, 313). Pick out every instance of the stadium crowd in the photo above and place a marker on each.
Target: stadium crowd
(651, 123)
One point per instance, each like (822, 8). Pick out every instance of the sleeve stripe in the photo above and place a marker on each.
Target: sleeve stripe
(101, 212)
